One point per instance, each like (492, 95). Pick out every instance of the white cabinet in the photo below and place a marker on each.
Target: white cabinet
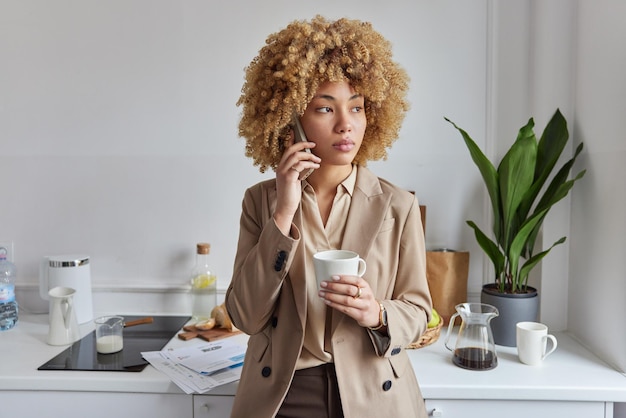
(68, 404)
(450, 408)
(212, 406)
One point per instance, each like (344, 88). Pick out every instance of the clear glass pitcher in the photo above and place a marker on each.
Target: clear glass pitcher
(474, 348)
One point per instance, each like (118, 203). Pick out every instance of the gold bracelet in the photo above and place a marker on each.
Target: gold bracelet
(381, 319)
(377, 328)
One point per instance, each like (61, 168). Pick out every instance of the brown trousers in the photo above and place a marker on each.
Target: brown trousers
(313, 393)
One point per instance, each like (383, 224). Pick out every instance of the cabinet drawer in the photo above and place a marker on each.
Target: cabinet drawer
(212, 406)
(69, 404)
(514, 409)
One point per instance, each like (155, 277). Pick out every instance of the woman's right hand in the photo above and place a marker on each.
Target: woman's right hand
(288, 186)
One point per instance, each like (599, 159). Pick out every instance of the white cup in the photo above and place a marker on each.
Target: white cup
(532, 342)
(109, 334)
(337, 263)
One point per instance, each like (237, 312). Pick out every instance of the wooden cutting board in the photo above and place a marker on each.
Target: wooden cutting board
(190, 332)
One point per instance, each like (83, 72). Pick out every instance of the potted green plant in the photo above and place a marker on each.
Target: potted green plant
(520, 201)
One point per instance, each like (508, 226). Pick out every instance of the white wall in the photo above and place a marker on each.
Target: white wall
(119, 126)
(570, 55)
(598, 236)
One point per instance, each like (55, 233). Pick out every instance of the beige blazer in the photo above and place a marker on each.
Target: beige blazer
(374, 374)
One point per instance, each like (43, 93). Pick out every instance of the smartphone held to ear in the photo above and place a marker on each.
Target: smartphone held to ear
(299, 136)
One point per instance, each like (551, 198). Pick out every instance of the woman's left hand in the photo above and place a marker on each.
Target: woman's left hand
(353, 296)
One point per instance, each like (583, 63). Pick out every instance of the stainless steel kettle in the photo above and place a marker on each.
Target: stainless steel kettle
(71, 271)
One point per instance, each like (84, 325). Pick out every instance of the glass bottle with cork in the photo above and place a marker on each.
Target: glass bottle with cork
(203, 285)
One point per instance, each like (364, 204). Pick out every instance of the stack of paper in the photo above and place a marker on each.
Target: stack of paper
(200, 368)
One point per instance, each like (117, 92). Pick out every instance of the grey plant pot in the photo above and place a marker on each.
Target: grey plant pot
(512, 308)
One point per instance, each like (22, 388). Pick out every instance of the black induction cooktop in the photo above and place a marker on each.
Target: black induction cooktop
(82, 355)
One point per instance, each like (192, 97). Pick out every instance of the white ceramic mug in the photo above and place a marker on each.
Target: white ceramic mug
(532, 342)
(336, 263)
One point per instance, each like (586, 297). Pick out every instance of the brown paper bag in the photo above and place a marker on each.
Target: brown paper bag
(447, 272)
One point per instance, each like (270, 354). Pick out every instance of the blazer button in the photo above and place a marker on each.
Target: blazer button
(395, 351)
(280, 260)
(268, 370)
(274, 322)
(387, 385)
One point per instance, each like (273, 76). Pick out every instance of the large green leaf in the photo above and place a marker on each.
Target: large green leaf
(487, 171)
(561, 191)
(490, 248)
(514, 252)
(551, 145)
(531, 263)
(553, 193)
(516, 173)
(559, 179)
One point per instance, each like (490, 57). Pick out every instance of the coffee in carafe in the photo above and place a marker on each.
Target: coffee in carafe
(475, 358)
(474, 349)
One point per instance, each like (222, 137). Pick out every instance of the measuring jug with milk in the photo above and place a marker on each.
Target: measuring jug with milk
(109, 334)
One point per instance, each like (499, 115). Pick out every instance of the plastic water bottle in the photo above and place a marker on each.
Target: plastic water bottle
(8, 305)
(203, 285)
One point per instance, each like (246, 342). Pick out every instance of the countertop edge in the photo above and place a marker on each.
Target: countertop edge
(572, 373)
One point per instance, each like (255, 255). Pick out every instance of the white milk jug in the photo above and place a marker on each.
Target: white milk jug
(71, 271)
(63, 325)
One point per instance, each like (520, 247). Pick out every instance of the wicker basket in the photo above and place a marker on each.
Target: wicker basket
(430, 336)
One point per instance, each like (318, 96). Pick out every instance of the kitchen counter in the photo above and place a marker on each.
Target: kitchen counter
(24, 349)
(570, 374)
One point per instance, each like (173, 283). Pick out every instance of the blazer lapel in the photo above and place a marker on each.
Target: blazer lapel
(367, 212)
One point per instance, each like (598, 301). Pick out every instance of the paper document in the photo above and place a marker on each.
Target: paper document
(200, 368)
(210, 357)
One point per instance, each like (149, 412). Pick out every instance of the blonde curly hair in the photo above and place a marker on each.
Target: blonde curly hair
(294, 62)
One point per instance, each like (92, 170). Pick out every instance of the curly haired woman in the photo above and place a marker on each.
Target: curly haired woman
(339, 349)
